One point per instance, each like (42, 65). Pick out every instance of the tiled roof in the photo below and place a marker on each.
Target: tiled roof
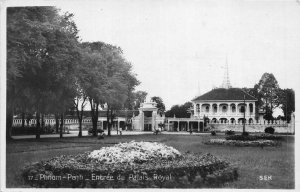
(225, 94)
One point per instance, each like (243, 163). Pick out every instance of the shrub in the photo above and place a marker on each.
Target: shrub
(245, 133)
(229, 132)
(269, 130)
(206, 129)
(32, 130)
(188, 170)
(213, 133)
(90, 130)
(246, 143)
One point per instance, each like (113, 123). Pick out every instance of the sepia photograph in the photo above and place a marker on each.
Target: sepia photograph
(159, 94)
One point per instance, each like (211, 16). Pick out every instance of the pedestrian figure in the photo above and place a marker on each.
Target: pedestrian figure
(156, 131)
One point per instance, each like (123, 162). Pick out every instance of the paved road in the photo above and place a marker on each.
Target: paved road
(85, 133)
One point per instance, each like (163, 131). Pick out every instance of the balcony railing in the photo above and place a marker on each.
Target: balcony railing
(229, 114)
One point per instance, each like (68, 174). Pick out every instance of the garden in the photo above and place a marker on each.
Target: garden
(245, 139)
(150, 161)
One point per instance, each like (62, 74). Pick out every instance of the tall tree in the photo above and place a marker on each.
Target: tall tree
(139, 97)
(94, 73)
(120, 85)
(42, 50)
(180, 111)
(269, 91)
(287, 101)
(160, 104)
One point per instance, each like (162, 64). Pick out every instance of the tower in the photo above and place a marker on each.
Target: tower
(199, 90)
(226, 83)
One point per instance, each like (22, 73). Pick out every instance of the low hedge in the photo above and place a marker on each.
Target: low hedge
(247, 143)
(190, 170)
(229, 132)
(18, 130)
(269, 130)
(254, 137)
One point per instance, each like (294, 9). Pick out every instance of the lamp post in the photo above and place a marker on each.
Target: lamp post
(244, 120)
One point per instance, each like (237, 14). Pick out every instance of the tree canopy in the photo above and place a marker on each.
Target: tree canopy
(160, 104)
(180, 111)
(270, 96)
(48, 68)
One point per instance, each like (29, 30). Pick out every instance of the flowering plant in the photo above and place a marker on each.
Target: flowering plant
(134, 152)
(260, 142)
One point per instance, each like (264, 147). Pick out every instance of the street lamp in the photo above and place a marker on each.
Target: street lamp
(244, 120)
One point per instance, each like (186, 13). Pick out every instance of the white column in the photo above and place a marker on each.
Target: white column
(141, 120)
(248, 110)
(200, 108)
(195, 108)
(198, 126)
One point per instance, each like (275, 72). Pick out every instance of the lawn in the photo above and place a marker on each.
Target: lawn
(277, 163)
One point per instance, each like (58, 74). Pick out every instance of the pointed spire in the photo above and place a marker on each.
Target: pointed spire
(226, 83)
(199, 90)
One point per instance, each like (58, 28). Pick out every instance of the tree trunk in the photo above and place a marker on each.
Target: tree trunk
(38, 125)
(27, 120)
(23, 120)
(61, 125)
(43, 123)
(94, 114)
(108, 123)
(9, 124)
(80, 128)
(79, 116)
(56, 122)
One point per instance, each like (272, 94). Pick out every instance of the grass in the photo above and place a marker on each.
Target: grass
(253, 162)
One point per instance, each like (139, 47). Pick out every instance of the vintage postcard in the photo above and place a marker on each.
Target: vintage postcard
(163, 94)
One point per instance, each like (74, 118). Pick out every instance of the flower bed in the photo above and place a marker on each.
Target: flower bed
(254, 137)
(149, 166)
(255, 143)
(134, 152)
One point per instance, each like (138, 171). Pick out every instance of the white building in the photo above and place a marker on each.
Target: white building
(147, 119)
(225, 104)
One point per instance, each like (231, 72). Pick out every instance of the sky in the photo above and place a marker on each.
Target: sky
(178, 48)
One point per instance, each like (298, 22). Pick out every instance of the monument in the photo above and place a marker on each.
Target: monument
(146, 120)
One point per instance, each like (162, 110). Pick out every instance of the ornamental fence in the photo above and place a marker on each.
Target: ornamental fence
(32, 122)
(254, 122)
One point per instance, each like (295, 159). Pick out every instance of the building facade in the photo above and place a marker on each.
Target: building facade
(225, 105)
(148, 119)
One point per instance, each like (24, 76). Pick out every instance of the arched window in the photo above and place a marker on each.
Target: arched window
(233, 109)
(207, 108)
(215, 108)
(224, 109)
(251, 107)
(198, 108)
(242, 109)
